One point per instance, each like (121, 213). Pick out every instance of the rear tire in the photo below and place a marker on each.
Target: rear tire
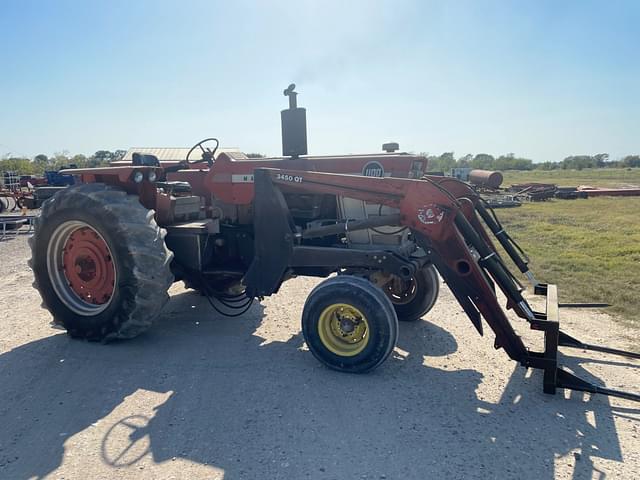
(349, 324)
(419, 296)
(123, 247)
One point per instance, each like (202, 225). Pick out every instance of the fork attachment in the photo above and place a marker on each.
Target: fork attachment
(554, 375)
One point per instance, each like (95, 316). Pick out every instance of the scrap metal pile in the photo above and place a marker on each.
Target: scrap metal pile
(533, 192)
(487, 183)
(27, 191)
(608, 192)
(536, 192)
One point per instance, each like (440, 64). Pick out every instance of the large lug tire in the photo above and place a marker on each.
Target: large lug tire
(414, 298)
(349, 324)
(100, 262)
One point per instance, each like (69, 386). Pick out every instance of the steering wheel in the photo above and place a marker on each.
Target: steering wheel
(207, 155)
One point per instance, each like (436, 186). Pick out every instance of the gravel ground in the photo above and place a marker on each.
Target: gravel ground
(203, 396)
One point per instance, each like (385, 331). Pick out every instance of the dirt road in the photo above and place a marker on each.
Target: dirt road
(203, 396)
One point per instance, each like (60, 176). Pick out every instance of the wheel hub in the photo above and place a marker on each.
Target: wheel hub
(88, 267)
(401, 291)
(343, 329)
(346, 325)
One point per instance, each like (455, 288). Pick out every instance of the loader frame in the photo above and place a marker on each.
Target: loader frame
(447, 226)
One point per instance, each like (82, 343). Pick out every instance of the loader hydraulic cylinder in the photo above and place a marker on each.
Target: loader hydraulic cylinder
(506, 242)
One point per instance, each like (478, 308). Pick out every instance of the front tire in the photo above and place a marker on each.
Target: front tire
(100, 262)
(349, 324)
(414, 298)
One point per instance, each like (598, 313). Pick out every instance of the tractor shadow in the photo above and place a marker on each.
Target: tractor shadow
(269, 410)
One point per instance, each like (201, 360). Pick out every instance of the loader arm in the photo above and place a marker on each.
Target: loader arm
(441, 215)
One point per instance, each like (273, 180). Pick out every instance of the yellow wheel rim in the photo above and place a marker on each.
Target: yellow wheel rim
(343, 329)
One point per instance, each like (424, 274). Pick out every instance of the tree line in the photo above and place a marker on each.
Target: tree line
(41, 163)
(441, 163)
(484, 161)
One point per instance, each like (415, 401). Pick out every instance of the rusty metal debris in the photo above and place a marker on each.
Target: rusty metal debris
(534, 192)
(608, 192)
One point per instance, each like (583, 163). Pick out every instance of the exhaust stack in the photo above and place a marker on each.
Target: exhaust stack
(294, 126)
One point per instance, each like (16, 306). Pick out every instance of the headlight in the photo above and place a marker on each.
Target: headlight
(138, 177)
(152, 176)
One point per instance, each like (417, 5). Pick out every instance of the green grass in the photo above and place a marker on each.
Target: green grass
(590, 248)
(596, 177)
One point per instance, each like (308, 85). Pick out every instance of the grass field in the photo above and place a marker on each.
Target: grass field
(590, 248)
(600, 177)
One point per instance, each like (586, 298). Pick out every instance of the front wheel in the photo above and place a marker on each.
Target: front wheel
(349, 324)
(413, 298)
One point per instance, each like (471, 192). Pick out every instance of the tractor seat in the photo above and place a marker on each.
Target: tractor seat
(175, 187)
(144, 160)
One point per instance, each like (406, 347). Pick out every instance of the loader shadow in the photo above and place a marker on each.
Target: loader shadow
(269, 410)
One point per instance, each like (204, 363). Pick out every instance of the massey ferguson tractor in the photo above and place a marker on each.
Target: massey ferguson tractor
(107, 249)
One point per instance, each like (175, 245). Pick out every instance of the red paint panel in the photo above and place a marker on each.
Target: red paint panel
(226, 178)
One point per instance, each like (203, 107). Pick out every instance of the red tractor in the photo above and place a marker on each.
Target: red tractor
(106, 250)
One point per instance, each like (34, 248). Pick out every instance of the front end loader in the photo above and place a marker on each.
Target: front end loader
(106, 250)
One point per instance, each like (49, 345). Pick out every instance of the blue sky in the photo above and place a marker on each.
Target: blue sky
(543, 79)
